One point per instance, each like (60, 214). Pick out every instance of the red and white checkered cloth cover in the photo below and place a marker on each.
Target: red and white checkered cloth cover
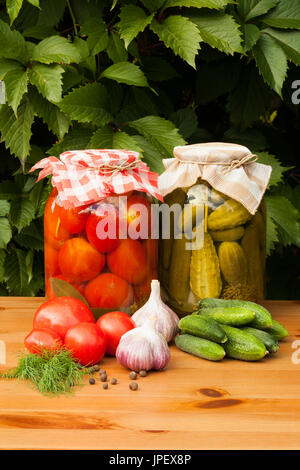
(79, 181)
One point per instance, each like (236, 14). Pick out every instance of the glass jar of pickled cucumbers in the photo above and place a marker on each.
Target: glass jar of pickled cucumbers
(216, 248)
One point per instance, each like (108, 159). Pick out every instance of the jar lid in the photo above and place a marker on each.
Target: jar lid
(84, 177)
(229, 168)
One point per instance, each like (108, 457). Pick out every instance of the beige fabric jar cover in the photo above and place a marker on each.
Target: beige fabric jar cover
(229, 168)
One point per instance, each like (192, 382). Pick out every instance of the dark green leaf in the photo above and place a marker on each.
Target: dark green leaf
(55, 49)
(4, 208)
(12, 43)
(57, 121)
(51, 12)
(48, 80)
(5, 232)
(186, 121)
(82, 48)
(271, 61)
(219, 30)
(2, 261)
(15, 276)
(116, 48)
(151, 155)
(77, 138)
(251, 36)
(133, 20)
(286, 216)
(102, 138)
(31, 237)
(277, 169)
(88, 103)
(21, 213)
(285, 15)
(97, 37)
(249, 9)
(15, 86)
(160, 132)
(7, 65)
(289, 41)
(106, 138)
(181, 35)
(272, 236)
(16, 132)
(125, 72)
(249, 99)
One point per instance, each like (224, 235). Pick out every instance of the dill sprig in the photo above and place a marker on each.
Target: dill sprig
(51, 372)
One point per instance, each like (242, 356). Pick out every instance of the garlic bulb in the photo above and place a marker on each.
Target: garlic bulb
(167, 320)
(143, 348)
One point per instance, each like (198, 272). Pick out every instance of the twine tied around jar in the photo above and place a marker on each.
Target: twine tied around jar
(111, 169)
(229, 166)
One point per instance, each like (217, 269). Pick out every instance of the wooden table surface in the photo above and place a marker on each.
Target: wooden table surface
(193, 404)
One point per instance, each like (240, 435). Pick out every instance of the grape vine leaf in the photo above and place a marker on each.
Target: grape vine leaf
(285, 15)
(16, 86)
(133, 20)
(55, 49)
(219, 30)
(160, 132)
(16, 132)
(126, 72)
(249, 9)
(88, 103)
(179, 34)
(48, 80)
(271, 62)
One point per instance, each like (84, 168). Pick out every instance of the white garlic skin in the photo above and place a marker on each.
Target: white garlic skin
(166, 319)
(143, 348)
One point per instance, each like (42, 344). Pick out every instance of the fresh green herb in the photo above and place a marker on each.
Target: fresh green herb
(51, 372)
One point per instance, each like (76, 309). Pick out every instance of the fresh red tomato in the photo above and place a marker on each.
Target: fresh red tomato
(102, 229)
(86, 342)
(114, 325)
(62, 313)
(43, 338)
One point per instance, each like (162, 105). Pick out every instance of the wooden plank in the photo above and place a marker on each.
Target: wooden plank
(193, 404)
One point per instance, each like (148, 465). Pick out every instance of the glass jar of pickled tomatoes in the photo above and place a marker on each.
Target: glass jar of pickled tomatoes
(103, 249)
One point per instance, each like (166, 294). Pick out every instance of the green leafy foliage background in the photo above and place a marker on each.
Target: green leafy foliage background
(146, 75)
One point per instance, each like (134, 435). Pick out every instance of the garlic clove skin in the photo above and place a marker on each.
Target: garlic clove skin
(143, 348)
(167, 320)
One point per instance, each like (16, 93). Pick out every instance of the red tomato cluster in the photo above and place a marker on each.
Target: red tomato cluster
(68, 322)
(108, 271)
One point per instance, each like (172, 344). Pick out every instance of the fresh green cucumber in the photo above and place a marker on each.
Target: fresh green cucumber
(235, 316)
(200, 347)
(278, 330)
(269, 341)
(204, 327)
(262, 320)
(242, 345)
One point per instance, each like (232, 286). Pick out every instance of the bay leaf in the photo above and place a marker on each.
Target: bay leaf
(63, 288)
